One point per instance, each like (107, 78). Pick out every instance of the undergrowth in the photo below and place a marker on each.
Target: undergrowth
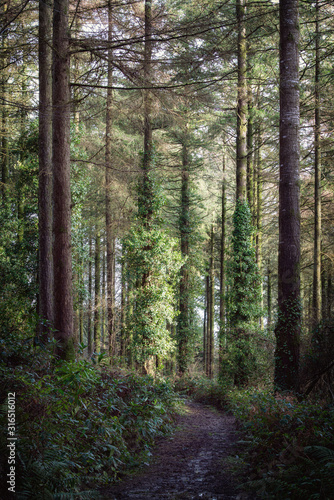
(78, 425)
(286, 446)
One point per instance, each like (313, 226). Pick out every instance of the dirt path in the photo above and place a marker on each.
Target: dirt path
(190, 465)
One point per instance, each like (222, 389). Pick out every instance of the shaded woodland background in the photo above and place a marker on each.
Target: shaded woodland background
(140, 207)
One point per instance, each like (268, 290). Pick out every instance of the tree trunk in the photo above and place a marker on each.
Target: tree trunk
(89, 311)
(45, 169)
(103, 301)
(208, 321)
(4, 110)
(250, 154)
(147, 193)
(112, 331)
(123, 316)
(183, 318)
(259, 217)
(242, 103)
(269, 295)
(205, 330)
(287, 329)
(97, 294)
(108, 178)
(222, 274)
(316, 317)
(212, 306)
(62, 258)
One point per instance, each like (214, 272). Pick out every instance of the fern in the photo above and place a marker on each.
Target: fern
(321, 453)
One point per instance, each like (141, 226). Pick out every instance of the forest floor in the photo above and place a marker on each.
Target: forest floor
(196, 462)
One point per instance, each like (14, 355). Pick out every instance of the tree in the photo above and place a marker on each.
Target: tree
(287, 328)
(108, 181)
(317, 180)
(62, 257)
(45, 271)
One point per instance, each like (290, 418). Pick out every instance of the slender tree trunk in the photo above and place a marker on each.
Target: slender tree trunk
(108, 178)
(112, 332)
(250, 155)
(287, 329)
(97, 295)
(205, 331)
(62, 258)
(123, 315)
(146, 202)
(208, 322)
(269, 295)
(212, 306)
(259, 218)
(242, 103)
(317, 184)
(329, 295)
(4, 110)
(183, 319)
(222, 275)
(103, 301)
(89, 311)
(45, 169)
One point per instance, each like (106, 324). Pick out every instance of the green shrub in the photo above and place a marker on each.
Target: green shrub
(282, 444)
(78, 425)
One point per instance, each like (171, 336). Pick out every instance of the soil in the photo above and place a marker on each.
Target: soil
(192, 464)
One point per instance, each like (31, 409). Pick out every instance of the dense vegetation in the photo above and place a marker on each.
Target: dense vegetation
(166, 226)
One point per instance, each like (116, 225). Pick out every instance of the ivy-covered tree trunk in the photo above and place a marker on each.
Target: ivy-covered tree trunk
(62, 257)
(287, 329)
(183, 318)
(45, 169)
(316, 316)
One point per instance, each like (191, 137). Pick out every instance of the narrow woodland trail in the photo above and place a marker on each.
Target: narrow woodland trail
(192, 464)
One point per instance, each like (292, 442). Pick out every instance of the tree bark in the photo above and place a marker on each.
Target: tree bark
(108, 179)
(259, 217)
(287, 329)
(269, 295)
(183, 319)
(148, 145)
(208, 321)
(222, 274)
(317, 183)
(89, 311)
(212, 306)
(62, 258)
(97, 294)
(45, 169)
(242, 103)
(4, 110)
